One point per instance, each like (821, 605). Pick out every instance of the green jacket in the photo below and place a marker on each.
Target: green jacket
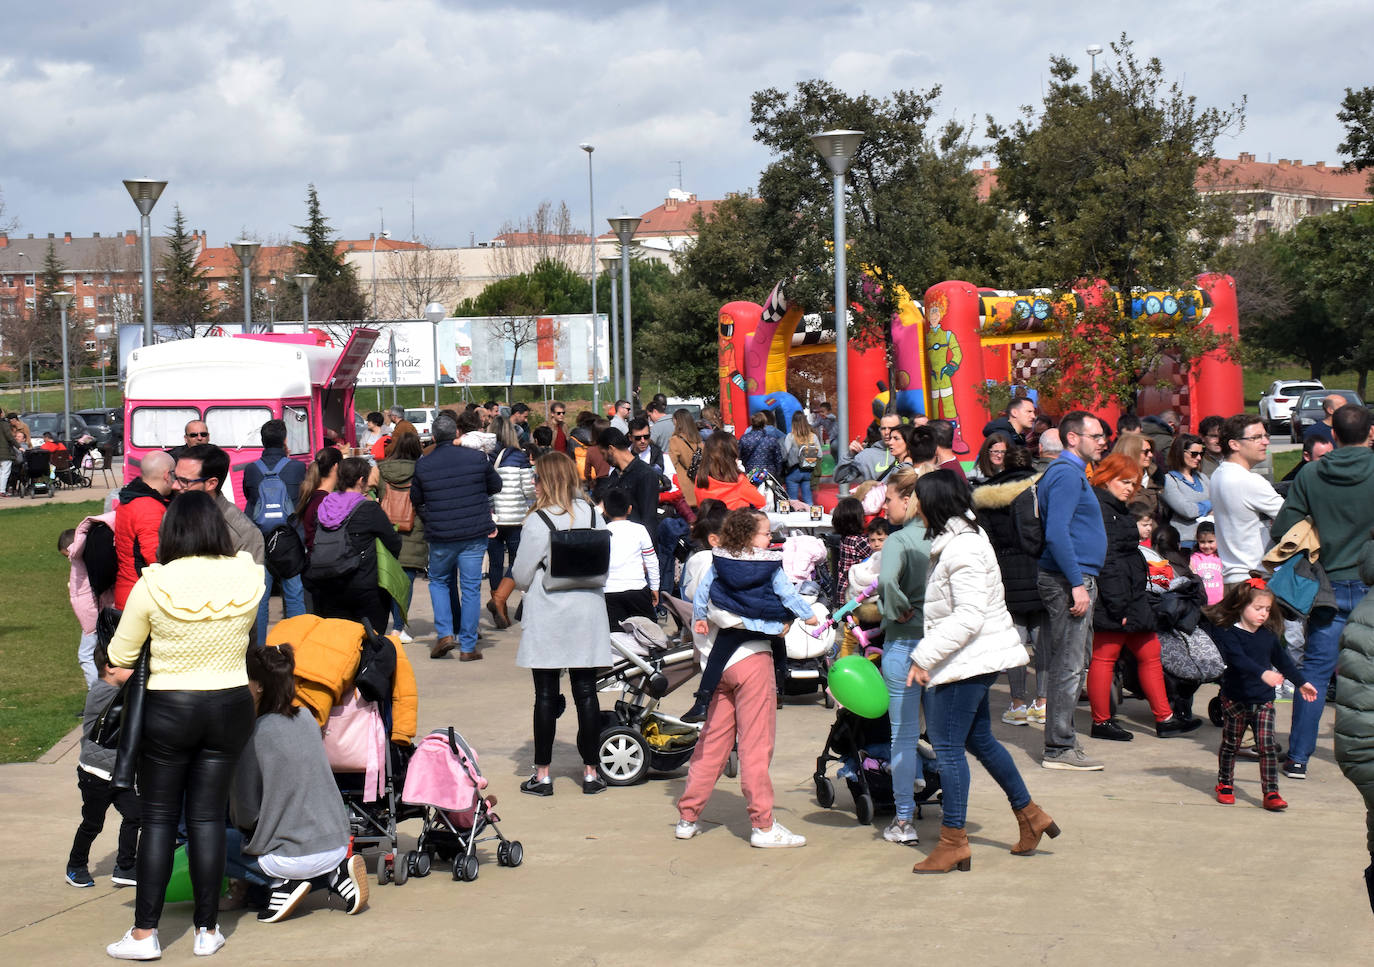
(1355, 694)
(902, 582)
(7, 447)
(395, 472)
(1337, 492)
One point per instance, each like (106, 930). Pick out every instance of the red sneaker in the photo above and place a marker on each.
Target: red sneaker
(1274, 802)
(1226, 794)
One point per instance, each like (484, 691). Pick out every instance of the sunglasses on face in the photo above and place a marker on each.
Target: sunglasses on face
(205, 434)
(638, 436)
(1195, 453)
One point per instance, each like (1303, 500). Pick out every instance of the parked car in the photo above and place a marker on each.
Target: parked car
(1276, 405)
(424, 423)
(40, 423)
(1309, 409)
(107, 426)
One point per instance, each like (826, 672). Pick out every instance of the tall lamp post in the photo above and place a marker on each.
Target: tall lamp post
(247, 250)
(304, 281)
(375, 239)
(145, 192)
(436, 313)
(1093, 51)
(624, 228)
(591, 271)
(611, 264)
(63, 300)
(837, 148)
(102, 336)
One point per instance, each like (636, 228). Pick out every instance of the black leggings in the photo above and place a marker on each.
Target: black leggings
(546, 710)
(191, 745)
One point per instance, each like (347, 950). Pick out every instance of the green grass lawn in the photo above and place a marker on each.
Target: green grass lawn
(1285, 461)
(41, 690)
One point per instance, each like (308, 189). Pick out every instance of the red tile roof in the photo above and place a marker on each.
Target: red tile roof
(222, 263)
(674, 217)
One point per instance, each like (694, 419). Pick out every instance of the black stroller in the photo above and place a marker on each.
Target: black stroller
(35, 474)
(861, 747)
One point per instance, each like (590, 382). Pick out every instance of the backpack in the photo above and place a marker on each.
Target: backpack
(578, 557)
(399, 510)
(273, 506)
(808, 455)
(695, 465)
(98, 554)
(284, 551)
(1026, 523)
(332, 558)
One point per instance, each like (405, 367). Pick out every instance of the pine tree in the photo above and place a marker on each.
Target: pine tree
(335, 296)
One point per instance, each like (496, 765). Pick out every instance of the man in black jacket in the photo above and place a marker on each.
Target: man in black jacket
(637, 479)
(1015, 422)
(292, 475)
(451, 492)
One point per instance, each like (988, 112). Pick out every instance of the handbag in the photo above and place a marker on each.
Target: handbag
(120, 724)
(355, 741)
(1294, 589)
(1193, 656)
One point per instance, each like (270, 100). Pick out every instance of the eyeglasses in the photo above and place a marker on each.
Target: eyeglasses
(558, 412)
(1093, 436)
(206, 434)
(188, 481)
(1252, 439)
(639, 436)
(997, 453)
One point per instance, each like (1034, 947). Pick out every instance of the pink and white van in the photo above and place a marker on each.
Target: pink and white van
(236, 384)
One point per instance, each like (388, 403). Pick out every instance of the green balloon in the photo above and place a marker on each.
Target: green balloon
(858, 685)
(179, 884)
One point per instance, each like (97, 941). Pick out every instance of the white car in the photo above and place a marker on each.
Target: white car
(1276, 405)
(423, 421)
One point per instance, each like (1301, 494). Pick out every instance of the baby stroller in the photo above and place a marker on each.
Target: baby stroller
(861, 746)
(774, 491)
(35, 478)
(636, 737)
(444, 780)
(806, 669)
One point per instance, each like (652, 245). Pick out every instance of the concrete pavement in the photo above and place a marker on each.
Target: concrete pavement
(1149, 868)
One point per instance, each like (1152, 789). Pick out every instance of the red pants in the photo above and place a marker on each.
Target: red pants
(1107, 647)
(744, 704)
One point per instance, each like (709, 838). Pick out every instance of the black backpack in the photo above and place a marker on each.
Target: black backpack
(1026, 523)
(98, 554)
(333, 557)
(579, 557)
(285, 554)
(376, 667)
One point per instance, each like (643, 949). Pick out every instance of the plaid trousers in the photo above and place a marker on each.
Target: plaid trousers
(1235, 716)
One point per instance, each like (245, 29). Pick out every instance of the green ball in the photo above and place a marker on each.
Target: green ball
(858, 685)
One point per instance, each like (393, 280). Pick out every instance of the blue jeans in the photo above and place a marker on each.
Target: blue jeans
(239, 865)
(292, 600)
(396, 623)
(1318, 664)
(503, 545)
(957, 718)
(904, 714)
(461, 560)
(799, 484)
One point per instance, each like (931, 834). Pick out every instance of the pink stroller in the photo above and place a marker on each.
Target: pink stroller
(443, 778)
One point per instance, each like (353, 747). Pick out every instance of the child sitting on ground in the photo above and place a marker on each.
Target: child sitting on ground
(746, 594)
(1205, 563)
(1246, 627)
(93, 770)
(632, 581)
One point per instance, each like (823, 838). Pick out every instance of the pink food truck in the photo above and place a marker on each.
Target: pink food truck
(237, 384)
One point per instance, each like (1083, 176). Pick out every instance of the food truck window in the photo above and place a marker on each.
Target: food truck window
(297, 429)
(236, 426)
(155, 427)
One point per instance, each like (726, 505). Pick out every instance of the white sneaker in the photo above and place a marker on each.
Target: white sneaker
(404, 636)
(208, 941)
(1015, 715)
(127, 948)
(901, 831)
(686, 830)
(1035, 714)
(776, 836)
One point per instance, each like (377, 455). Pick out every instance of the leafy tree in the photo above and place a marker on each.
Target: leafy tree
(335, 295)
(1103, 178)
(1357, 114)
(180, 299)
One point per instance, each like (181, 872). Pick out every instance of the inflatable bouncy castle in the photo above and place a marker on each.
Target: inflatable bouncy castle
(961, 337)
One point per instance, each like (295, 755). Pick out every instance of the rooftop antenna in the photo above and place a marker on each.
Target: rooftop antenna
(413, 236)
(381, 218)
(679, 173)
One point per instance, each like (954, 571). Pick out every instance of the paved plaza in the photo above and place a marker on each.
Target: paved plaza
(1149, 868)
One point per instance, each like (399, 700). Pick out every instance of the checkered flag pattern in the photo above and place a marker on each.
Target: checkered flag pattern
(776, 306)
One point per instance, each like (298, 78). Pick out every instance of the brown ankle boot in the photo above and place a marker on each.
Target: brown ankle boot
(497, 604)
(1034, 823)
(950, 852)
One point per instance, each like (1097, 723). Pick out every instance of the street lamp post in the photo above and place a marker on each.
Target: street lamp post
(375, 239)
(63, 300)
(247, 250)
(305, 280)
(591, 220)
(436, 313)
(102, 336)
(611, 264)
(624, 228)
(145, 192)
(271, 313)
(1093, 51)
(837, 148)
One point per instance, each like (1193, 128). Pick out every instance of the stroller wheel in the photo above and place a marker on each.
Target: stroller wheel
(732, 765)
(384, 870)
(419, 864)
(510, 854)
(465, 868)
(623, 756)
(400, 872)
(825, 792)
(863, 808)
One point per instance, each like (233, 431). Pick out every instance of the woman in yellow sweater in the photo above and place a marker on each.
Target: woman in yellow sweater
(198, 604)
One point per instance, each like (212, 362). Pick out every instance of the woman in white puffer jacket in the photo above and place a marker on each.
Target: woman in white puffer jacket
(969, 640)
(509, 508)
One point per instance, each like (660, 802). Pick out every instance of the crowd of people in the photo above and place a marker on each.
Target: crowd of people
(971, 580)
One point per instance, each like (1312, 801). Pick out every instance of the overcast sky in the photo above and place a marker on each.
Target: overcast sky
(476, 109)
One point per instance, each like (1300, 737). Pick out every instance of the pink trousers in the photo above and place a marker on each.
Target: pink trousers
(745, 704)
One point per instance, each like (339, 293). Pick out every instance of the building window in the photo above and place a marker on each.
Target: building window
(28, 280)
(86, 280)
